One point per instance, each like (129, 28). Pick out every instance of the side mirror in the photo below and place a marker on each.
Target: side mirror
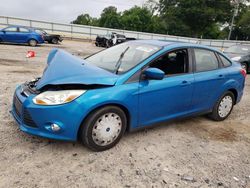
(154, 74)
(4, 31)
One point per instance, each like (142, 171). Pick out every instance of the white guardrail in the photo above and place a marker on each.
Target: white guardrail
(85, 32)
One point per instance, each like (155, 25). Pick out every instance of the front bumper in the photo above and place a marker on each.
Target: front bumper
(36, 119)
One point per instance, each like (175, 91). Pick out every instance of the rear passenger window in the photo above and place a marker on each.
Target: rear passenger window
(205, 60)
(23, 30)
(225, 62)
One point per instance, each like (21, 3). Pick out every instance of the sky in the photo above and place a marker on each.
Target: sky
(62, 11)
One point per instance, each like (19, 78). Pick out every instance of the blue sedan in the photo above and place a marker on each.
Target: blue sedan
(125, 88)
(22, 35)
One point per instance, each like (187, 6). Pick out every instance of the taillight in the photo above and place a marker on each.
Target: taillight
(243, 72)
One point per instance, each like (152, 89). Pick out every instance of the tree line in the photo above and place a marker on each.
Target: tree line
(210, 19)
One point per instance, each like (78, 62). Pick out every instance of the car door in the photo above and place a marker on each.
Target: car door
(23, 34)
(171, 97)
(10, 34)
(209, 77)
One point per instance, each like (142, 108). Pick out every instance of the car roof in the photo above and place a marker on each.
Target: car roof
(20, 26)
(168, 43)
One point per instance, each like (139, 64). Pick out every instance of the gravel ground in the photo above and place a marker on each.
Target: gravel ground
(196, 152)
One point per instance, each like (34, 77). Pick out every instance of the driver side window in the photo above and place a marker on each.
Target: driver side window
(172, 63)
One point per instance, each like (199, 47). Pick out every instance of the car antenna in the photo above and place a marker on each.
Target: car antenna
(119, 62)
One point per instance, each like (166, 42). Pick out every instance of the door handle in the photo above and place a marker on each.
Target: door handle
(221, 76)
(185, 83)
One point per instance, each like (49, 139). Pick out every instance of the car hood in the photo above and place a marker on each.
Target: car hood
(64, 68)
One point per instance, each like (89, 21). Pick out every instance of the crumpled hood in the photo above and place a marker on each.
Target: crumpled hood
(64, 68)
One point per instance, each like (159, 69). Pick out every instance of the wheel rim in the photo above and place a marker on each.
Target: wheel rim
(32, 42)
(55, 41)
(225, 106)
(106, 129)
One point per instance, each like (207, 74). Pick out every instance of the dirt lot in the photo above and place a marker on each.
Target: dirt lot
(191, 153)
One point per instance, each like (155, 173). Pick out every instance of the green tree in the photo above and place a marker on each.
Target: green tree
(83, 19)
(137, 19)
(243, 25)
(194, 17)
(110, 18)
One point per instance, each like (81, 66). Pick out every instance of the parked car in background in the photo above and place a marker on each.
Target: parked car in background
(126, 87)
(241, 54)
(20, 34)
(50, 38)
(111, 40)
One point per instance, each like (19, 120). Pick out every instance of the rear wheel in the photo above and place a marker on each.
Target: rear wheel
(223, 107)
(32, 42)
(244, 66)
(103, 128)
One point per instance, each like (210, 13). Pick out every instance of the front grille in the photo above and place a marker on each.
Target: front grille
(27, 119)
(17, 104)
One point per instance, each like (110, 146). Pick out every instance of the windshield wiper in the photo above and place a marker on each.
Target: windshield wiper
(119, 62)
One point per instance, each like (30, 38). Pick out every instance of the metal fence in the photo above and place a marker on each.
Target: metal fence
(75, 31)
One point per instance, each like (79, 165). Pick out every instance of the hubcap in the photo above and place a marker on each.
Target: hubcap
(225, 106)
(106, 129)
(32, 43)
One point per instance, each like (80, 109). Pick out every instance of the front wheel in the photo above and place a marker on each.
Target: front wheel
(54, 41)
(223, 107)
(103, 128)
(32, 42)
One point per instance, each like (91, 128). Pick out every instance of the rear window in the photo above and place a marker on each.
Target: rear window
(23, 30)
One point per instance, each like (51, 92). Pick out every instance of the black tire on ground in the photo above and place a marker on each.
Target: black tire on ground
(89, 126)
(215, 115)
(109, 43)
(245, 66)
(54, 41)
(32, 42)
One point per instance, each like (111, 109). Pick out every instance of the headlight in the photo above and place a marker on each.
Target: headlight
(236, 58)
(57, 97)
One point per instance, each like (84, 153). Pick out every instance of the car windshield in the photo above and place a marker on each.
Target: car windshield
(238, 49)
(133, 54)
(39, 31)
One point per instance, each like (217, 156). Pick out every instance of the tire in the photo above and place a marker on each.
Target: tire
(245, 66)
(223, 107)
(99, 136)
(54, 41)
(109, 43)
(32, 42)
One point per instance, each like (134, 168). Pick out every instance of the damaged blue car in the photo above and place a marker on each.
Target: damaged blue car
(125, 88)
